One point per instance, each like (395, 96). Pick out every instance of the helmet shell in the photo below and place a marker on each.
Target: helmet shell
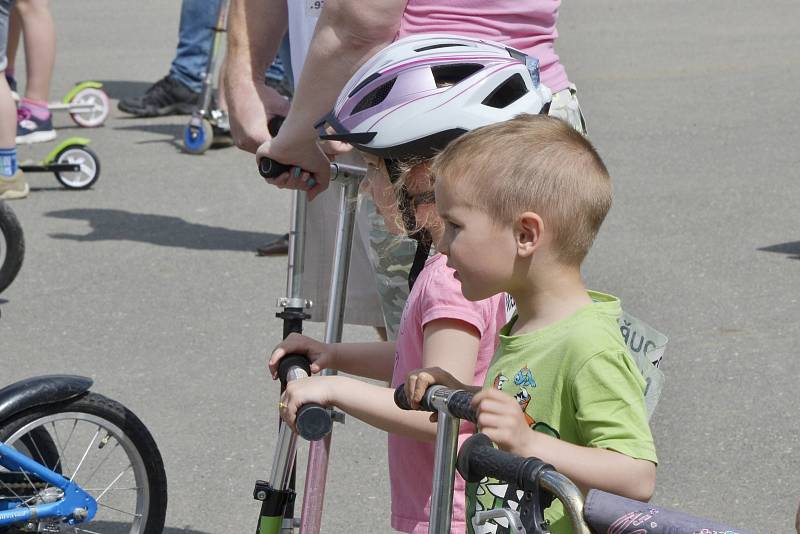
(423, 91)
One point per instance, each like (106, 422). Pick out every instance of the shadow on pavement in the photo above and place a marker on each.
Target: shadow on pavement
(173, 131)
(162, 230)
(792, 249)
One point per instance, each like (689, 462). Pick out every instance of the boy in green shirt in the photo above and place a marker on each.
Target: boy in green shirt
(522, 202)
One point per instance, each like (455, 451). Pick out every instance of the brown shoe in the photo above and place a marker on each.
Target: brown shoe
(276, 247)
(14, 187)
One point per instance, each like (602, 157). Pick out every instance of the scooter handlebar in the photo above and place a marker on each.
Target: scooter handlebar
(478, 459)
(313, 421)
(458, 403)
(269, 168)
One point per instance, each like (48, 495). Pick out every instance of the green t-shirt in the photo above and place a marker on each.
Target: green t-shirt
(575, 381)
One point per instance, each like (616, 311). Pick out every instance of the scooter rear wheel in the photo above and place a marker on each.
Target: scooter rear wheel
(100, 107)
(12, 246)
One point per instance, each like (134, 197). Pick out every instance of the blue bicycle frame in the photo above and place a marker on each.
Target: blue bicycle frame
(71, 502)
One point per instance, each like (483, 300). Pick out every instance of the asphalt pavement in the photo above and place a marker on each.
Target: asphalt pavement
(149, 282)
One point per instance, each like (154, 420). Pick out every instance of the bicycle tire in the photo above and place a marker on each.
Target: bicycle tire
(144, 505)
(12, 246)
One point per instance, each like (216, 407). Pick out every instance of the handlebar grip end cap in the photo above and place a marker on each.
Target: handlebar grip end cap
(314, 422)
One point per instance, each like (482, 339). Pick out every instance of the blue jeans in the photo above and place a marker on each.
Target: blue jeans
(195, 39)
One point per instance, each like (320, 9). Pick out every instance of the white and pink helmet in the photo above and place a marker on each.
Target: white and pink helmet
(423, 91)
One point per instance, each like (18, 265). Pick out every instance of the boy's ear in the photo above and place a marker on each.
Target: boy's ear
(528, 232)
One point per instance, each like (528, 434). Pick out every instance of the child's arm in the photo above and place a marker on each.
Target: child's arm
(502, 420)
(370, 360)
(448, 342)
(370, 403)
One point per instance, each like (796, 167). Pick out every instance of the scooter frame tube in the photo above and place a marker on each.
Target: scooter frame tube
(319, 451)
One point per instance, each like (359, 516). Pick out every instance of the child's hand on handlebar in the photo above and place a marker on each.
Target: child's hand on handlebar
(501, 418)
(418, 382)
(320, 355)
(311, 390)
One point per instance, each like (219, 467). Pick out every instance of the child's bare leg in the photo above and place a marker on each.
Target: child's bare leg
(12, 183)
(40, 47)
(38, 33)
(14, 31)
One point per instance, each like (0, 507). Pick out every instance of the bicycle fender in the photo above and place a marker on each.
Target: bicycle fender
(38, 391)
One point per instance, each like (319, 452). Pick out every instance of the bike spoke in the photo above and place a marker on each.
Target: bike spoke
(112, 483)
(85, 454)
(118, 510)
(22, 501)
(108, 455)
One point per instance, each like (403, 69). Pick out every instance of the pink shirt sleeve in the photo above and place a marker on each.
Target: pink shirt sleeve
(443, 299)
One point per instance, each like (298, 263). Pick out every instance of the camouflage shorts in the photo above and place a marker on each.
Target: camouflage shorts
(392, 257)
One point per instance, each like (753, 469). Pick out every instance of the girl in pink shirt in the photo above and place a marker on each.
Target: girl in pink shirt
(439, 327)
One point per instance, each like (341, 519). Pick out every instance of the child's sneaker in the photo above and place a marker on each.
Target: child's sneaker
(33, 129)
(14, 187)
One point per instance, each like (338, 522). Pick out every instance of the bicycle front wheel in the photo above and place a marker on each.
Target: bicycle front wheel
(103, 447)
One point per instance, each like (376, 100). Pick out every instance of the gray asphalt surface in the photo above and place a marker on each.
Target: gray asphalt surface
(149, 282)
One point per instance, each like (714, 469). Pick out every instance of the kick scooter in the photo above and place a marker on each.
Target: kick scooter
(198, 136)
(313, 422)
(72, 162)
(87, 104)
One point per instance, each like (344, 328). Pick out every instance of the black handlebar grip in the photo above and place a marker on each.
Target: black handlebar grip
(269, 168)
(292, 360)
(459, 406)
(400, 398)
(313, 422)
(478, 459)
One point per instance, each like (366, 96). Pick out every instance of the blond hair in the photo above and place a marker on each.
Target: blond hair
(532, 163)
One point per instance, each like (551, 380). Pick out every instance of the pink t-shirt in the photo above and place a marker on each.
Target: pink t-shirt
(527, 25)
(436, 295)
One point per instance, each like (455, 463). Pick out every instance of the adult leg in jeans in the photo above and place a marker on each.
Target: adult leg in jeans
(195, 38)
(179, 91)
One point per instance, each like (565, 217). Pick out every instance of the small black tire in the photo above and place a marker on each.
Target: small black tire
(90, 167)
(12, 246)
(114, 421)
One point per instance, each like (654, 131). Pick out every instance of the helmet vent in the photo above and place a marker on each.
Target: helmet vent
(440, 45)
(375, 97)
(507, 93)
(447, 75)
